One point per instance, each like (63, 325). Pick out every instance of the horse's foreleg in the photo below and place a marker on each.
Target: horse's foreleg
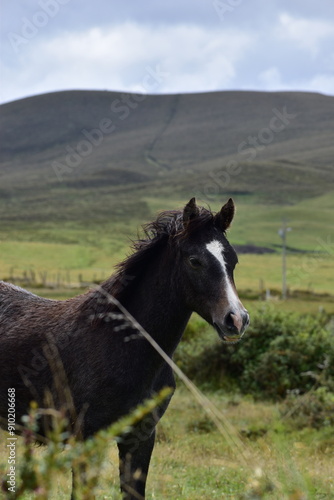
(135, 451)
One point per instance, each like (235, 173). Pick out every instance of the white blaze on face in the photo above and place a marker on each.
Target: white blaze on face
(216, 249)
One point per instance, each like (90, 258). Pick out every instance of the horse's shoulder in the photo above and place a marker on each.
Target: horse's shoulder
(165, 378)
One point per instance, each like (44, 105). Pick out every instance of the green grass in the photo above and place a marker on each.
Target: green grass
(254, 272)
(92, 247)
(93, 253)
(192, 460)
(304, 272)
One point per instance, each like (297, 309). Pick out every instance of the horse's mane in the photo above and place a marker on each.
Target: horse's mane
(168, 228)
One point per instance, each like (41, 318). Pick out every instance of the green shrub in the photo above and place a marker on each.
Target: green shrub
(280, 352)
(314, 409)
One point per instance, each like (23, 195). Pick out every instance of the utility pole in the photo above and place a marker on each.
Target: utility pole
(282, 232)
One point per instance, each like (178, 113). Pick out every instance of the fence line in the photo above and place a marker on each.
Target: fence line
(33, 278)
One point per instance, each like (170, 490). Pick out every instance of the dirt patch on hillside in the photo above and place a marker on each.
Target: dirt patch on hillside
(253, 249)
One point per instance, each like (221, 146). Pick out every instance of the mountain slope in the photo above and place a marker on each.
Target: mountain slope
(64, 154)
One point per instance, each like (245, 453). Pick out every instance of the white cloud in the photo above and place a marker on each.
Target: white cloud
(307, 33)
(117, 57)
(271, 78)
(254, 48)
(323, 82)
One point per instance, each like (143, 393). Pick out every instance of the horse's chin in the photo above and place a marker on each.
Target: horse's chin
(227, 338)
(230, 340)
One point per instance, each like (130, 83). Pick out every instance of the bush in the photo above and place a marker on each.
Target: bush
(314, 409)
(281, 352)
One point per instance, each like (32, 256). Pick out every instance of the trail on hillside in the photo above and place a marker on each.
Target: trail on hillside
(149, 156)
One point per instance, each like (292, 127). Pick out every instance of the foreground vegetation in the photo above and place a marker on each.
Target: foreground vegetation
(192, 460)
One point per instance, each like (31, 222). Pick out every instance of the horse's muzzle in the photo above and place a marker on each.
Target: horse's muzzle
(233, 326)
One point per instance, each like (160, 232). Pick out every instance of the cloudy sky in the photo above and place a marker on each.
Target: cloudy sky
(166, 47)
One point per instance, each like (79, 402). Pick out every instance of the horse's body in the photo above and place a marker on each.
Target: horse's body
(81, 352)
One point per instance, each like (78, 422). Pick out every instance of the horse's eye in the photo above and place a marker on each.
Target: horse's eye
(195, 263)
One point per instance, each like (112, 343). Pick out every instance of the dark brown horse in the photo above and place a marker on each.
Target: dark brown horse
(183, 264)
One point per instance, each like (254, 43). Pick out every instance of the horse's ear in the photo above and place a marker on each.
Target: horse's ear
(190, 211)
(224, 218)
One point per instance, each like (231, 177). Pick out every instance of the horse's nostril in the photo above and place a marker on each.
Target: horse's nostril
(229, 321)
(246, 319)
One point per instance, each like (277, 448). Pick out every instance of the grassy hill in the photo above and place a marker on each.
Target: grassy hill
(81, 170)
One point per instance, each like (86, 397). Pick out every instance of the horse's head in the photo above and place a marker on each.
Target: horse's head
(208, 262)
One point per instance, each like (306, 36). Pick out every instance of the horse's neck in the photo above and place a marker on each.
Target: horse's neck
(158, 307)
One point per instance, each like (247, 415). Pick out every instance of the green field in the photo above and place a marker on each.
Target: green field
(68, 253)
